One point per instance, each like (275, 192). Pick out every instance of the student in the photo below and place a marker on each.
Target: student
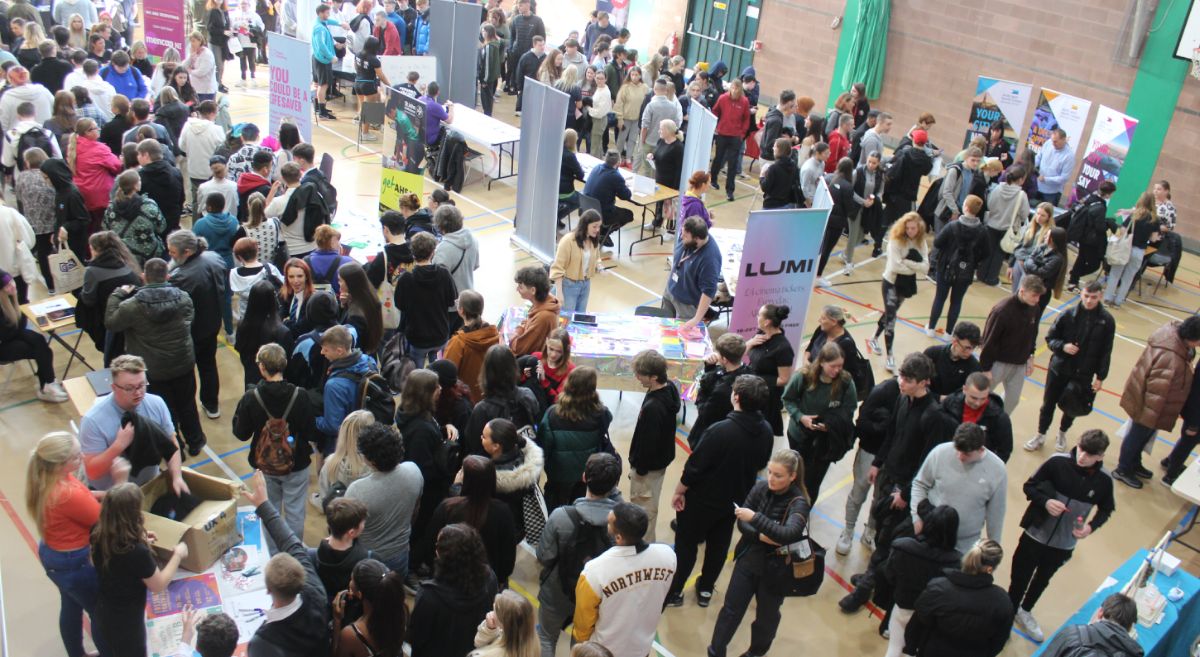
(907, 260)
(325, 261)
(775, 513)
(969, 477)
(467, 347)
(545, 372)
(451, 605)
(396, 256)
(1110, 631)
(975, 403)
(576, 262)
(341, 391)
(1010, 339)
(1089, 227)
(477, 506)
(360, 306)
(257, 180)
(297, 622)
(1048, 261)
(71, 215)
(652, 447)
(962, 612)
(458, 250)
(380, 631)
(502, 398)
(573, 429)
(721, 369)
(961, 247)
(249, 272)
(771, 356)
(199, 140)
(220, 183)
(954, 361)
(424, 294)
(337, 554)
(216, 634)
(127, 569)
(533, 285)
(780, 184)
(423, 442)
(391, 493)
(203, 275)
(913, 562)
(1143, 223)
(294, 295)
(346, 464)
(820, 400)
(453, 408)
(720, 471)
(161, 182)
(218, 228)
(508, 630)
(732, 110)
(19, 342)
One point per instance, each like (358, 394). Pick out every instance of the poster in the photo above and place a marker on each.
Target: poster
(291, 84)
(779, 266)
(996, 101)
(197, 591)
(404, 161)
(164, 26)
(1057, 110)
(1106, 150)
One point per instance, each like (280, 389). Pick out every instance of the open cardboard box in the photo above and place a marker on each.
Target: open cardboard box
(209, 530)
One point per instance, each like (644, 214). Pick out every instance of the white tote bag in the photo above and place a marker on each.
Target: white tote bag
(67, 270)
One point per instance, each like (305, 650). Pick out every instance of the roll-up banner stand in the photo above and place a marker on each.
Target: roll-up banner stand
(535, 225)
(454, 41)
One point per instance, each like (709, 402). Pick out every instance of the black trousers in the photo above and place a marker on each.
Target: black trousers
(700, 524)
(487, 96)
(887, 321)
(1087, 261)
(44, 248)
(833, 232)
(726, 155)
(989, 272)
(206, 367)
(1177, 459)
(26, 344)
(895, 208)
(955, 291)
(1056, 384)
(179, 394)
(1032, 567)
(815, 468)
(743, 586)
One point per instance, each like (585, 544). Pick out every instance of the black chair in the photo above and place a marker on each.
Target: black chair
(589, 203)
(371, 114)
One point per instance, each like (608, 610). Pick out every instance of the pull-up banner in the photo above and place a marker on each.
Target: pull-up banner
(1057, 110)
(164, 27)
(404, 161)
(539, 161)
(999, 101)
(1107, 148)
(291, 84)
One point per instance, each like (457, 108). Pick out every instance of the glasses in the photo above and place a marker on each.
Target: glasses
(131, 389)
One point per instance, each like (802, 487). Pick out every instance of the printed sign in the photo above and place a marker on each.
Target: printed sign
(164, 27)
(1106, 150)
(998, 101)
(403, 163)
(291, 84)
(1057, 110)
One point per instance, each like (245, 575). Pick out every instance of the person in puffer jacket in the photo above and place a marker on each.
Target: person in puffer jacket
(136, 219)
(916, 560)
(1107, 635)
(571, 431)
(1049, 263)
(962, 613)
(95, 167)
(776, 510)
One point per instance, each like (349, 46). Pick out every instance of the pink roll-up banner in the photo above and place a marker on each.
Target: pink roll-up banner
(164, 26)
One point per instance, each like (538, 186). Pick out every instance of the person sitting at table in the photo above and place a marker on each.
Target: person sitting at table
(1110, 629)
(606, 184)
(18, 342)
(668, 166)
(435, 114)
(533, 285)
(576, 262)
(569, 171)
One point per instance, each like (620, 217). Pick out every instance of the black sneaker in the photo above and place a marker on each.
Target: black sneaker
(854, 601)
(1167, 480)
(1142, 472)
(729, 197)
(673, 600)
(703, 598)
(194, 450)
(858, 580)
(875, 252)
(1128, 480)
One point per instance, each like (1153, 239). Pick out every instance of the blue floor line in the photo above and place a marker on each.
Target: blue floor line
(222, 455)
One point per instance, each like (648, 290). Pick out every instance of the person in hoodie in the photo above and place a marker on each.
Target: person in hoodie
(20, 90)
(1007, 205)
(904, 174)
(255, 180)
(71, 216)
(161, 182)
(198, 141)
(340, 393)
(1109, 634)
(975, 403)
(111, 266)
(136, 219)
(25, 124)
(340, 551)
(307, 365)
(273, 398)
(202, 274)
(652, 447)
(458, 251)
(297, 623)
(533, 285)
(781, 183)
(327, 259)
(126, 79)
(219, 183)
(779, 122)
(961, 247)
(219, 227)
(250, 270)
(396, 256)
(261, 325)
(913, 562)
(451, 606)
(467, 347)
(962, 613)
(243, 160)
(692, 204)
(156, 320)
(95, 167)
(424, 295)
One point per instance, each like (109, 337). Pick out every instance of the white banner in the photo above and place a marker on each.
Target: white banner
(1057, 110)
(998, 101)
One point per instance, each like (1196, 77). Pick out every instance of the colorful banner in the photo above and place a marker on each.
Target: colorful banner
(403, 163)
(290, 94)
(996, 101)
(1057, 110)
(779, 266)
(1106, 150)
(164, 26)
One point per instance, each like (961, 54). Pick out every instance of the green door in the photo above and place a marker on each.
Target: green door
(721, 30)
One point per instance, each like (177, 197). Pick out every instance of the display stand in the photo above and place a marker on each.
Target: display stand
(697, 144)
(540, 156)
(454, 41)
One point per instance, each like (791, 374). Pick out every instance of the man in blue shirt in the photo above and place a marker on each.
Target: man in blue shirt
(1054, 162)
(394, 16)
(435, 113)
(128, 81)
(694, 273)
(323, 56)
(606, 184)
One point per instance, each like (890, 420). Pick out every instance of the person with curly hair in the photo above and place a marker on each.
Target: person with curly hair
(452, 605)
(390, 492)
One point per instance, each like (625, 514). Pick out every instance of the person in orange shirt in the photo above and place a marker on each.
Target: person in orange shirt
(469, 344)
(534, 286)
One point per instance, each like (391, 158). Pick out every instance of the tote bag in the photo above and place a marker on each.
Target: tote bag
(67, 270)
(1119, 251)
(1012, 236)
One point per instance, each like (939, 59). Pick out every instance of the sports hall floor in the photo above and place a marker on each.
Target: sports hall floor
(31, 602)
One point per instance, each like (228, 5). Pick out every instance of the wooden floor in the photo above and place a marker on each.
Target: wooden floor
(815, 623)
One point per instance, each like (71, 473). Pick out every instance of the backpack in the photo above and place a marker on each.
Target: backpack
(32, 138)
(373, 395)
(323, 282)
(587, 542)
(387, 299)
(317, 208)
(275, 449)
(394, 363)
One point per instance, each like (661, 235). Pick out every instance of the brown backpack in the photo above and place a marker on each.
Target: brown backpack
(274, 452)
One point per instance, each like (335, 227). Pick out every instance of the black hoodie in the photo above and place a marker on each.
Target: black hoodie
(725, 464)
(336, 566)
(994, 421)
(69, 209)
(250, 418)
(444, 619)
(426, 295)
(653, 443)
(164, 183)
(305, 633)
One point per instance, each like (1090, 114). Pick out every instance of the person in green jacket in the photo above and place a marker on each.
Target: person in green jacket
(491, 54)
(820, 400)
(572, 430)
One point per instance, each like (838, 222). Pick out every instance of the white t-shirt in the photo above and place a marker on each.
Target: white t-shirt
(293, 235)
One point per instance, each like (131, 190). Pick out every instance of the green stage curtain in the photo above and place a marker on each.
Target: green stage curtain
(868, 50)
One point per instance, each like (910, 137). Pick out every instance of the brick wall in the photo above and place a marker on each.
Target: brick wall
(799, 48)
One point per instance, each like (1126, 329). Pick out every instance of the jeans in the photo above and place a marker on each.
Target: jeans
(989, 270)
(288, 493)
(1051, 198)
(206, 366)
(896, 626)
(699, 524)
(646, 491)
(28, 344)
(727, 153)
(72, 572)
(1033, 565)
(246, 59)
(628, 137)
(1018, 272)
(859, 489)
(398, 563)
(422, 355)
(227, 309)
(1120, 279)
(1012, 377)
(1131, 448)
(955, 290)
(743, 586)
(555, 610)
(219, 59)
(179, 394)
(574, 295)
(1056, 384)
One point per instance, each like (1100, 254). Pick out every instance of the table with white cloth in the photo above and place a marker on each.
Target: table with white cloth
(362, 236)
(730, 241)
(500, 138)
(645, 194)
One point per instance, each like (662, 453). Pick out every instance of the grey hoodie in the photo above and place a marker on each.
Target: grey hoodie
(1000, 203)
(458, 252)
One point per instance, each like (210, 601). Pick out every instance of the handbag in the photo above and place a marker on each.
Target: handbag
(533, 514)
(1077, 399)
(906, 285)
(1012, 236)
(66, 269)
(1119, 251)
(387, 297)
(799, 568)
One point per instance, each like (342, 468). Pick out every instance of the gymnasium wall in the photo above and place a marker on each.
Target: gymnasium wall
(937, 49)
(651, 21)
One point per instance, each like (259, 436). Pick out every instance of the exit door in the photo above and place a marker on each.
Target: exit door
(722, 30)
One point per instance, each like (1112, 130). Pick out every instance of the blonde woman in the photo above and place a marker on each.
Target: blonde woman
(64, 511)
(1144, 224)
(907, 260)
(346, 465)
(508, 630)
(27, 54)
(78, 33)
(201, 65)
(968, 593)
(1034, 234)
(628, 108)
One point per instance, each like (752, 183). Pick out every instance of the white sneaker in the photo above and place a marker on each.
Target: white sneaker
(891, 363)
(824, 282)
(1035, 443)
(848, 269)
(929, 331)
(52, 393)
(1060, 443)
(370, 136)
(1027, 622)
(873, 345)
(868, 538)
(844, 541)
(211, 413)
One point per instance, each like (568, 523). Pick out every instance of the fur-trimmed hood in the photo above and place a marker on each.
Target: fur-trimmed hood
(520, 472)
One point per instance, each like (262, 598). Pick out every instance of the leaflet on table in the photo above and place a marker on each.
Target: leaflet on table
(163, 634)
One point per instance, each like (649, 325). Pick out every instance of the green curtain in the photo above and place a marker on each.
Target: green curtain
(868, 50)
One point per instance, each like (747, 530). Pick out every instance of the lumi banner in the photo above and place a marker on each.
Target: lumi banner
(290, 93)
(1107, 148)
(1057, 110)
(164, 26)
(779, 266)
(996, 101)
(539, 160)
(404, 148)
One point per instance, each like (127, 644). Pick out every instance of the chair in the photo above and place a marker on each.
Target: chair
(590, 203)
(326, 166)
(370, 114)
(12, 370)
(1162, 274)
(652, 311)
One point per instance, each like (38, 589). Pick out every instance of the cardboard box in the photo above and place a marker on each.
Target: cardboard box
(209, 530)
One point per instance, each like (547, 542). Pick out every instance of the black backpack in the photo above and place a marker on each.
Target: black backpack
(33, 138)
(373, 395)
(587, 542)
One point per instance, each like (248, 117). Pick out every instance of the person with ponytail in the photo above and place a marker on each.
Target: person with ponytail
(380, 631)
(774, 514)
(95, 167)
(64, 511)
(962, 614)
(913, 562)
(137, 220)
(508, 630)
(468, 346)
(771, 357)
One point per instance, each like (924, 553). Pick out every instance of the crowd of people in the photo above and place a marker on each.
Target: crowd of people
(437, 446)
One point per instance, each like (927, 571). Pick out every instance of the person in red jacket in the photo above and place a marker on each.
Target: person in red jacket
(387, 34)
(732, 110)
(839, 142)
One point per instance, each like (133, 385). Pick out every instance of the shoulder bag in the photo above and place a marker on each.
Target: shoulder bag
(1012, 236)
(797, 569)
(1118, 252)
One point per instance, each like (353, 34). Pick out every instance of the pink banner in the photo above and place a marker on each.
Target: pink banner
(164, 26)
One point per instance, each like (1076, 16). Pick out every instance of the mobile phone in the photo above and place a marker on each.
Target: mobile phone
(583, 318)
(736, 507)
(42, 320)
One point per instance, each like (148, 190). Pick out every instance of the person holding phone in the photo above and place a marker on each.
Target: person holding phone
(820, 400)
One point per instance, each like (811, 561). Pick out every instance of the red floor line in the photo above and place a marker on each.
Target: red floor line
(875, 611)
(20, 524)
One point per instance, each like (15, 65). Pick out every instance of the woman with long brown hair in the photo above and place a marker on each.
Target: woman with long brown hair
(136, 219)
(573, 429)
(62, 122)
(360, 305)
(423, 443)
(476, 505)
(1143, 222)
(457, 599)
(294, 295)
(468, 345)
(820, 400)
(380, 631)
(576, 261)
(112, 265)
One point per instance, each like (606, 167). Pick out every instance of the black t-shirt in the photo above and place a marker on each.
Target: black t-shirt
(121, 578)
(364, 68)
(768, 357)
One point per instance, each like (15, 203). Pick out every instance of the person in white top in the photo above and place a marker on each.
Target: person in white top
(198, 140)
(77, 77)
(620, 594)
(602, 104)
(100, 91)
(201, 65)
(277, 200)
